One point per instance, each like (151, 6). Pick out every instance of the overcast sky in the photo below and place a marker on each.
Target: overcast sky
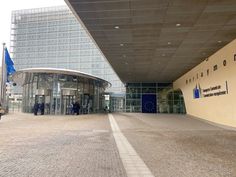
(5, 14)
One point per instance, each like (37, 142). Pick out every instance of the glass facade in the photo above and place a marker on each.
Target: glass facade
(53, 37)
(59, 91)
(166, 100)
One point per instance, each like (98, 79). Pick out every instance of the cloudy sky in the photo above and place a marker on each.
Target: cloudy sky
(5, 14)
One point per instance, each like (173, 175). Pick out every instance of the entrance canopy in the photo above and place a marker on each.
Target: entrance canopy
(157, 40)
(21, 77)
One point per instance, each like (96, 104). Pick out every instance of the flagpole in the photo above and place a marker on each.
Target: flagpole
(3, 84)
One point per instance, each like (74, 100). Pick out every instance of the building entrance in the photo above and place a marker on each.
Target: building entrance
(149, 103)
(154, 98)
(58, 89)
(67, 104)
(40, 100)
(68, 98)
(86, 103)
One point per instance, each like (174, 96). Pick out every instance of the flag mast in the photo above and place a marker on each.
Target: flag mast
(3, 83)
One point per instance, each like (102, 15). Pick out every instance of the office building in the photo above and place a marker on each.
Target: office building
(52, 37)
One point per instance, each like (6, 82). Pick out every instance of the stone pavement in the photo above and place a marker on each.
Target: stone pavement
(180, 146)
(84, 145)
(46, 146)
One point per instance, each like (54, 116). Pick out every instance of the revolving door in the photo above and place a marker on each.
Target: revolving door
(68, 99)
(42, 97)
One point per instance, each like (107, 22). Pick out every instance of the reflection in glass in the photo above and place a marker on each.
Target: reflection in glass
(168, 100)
(58, 93)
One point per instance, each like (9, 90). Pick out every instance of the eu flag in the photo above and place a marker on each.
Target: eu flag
(9, 63)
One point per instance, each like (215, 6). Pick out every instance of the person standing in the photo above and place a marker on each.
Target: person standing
(36, 108)
(74, 108)
(42, 108)
(77, 107)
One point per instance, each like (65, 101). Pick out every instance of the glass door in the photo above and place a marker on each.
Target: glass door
(67, 104)
(40, 100)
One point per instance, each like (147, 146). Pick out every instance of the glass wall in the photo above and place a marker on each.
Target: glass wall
(58, 93)
(53, 37)
(167, 100)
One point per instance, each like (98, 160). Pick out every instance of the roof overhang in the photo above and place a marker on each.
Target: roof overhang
(20, 76)
(157, 40)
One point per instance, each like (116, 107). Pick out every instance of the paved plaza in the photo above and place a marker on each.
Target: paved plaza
(115, 145)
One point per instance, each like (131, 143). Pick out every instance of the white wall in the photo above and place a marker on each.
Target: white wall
(216, 108)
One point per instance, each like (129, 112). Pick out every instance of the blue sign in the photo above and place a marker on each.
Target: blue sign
(197, 92)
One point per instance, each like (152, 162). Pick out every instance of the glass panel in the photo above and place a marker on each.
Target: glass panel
(149, 90)
(167, 100)
(149, 85)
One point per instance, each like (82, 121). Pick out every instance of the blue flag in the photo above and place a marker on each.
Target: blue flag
(9, 63)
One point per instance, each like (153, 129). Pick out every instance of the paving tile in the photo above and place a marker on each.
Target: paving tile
(180, 146)
(46, 146)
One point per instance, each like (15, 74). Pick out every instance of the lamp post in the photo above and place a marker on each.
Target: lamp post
(3, 83)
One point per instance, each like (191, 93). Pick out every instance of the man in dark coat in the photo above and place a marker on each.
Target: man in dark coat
(77, 107)
(36, 108)
(42, 108)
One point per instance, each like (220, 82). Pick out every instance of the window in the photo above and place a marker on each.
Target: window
(201, 74)
(234, 57)
(208, 72)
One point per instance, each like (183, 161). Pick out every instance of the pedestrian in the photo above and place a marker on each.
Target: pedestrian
(36, 108)
(74, 108)
(77, 107)
(42, 108)
(105, 109)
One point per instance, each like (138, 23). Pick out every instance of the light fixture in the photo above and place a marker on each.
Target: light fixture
(219, 41)
(168, 43)
(121, 45)
(178, 24)
(117, 27)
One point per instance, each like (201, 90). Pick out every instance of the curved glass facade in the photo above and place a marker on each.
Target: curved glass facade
(53, 37)
(58, 92)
